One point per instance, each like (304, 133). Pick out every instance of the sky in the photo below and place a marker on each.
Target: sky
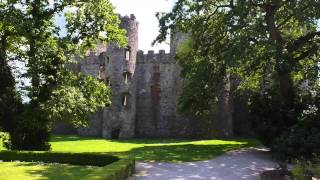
(145, 11)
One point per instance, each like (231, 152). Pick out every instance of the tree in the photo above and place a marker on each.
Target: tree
(271, 46)
(9, 99)
(55, 93)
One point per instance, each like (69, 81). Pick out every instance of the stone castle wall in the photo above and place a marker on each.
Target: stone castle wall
(150, 85)
(157, 81)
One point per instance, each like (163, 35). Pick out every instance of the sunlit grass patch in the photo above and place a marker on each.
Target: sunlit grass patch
(36, 170)
(170, 150)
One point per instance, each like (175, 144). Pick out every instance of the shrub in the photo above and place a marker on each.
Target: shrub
(270, 117)
(112, 167)
(291, 131)
(119, 170)
(92, 159)
(302, 140)
(30, 131)
(305, 170)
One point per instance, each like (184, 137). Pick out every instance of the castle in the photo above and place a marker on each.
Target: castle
(145, 91)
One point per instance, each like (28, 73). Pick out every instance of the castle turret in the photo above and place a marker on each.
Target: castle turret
(176, 39)
(118, 119)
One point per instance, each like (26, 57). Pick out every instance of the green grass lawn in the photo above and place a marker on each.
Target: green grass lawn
(159, 150)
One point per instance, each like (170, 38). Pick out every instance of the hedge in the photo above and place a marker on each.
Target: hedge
(119, 170)
(112, 167)
(91, 159)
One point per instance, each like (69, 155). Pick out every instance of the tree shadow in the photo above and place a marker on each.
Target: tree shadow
(156, 153)
(246, 164)
(62, 138)
(56, 171)
(152, 141)
(179, 153)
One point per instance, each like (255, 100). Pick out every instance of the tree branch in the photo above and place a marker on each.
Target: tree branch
(307, 53)
(271, 23)
(290, 16)
(300, 42)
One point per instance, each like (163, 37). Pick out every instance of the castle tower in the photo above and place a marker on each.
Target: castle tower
(118, 119)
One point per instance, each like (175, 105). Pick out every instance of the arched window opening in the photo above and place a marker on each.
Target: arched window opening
(127, 53)
(125, 100)
(101, 73)
(126, 77)
(115, 134)
(108, 59)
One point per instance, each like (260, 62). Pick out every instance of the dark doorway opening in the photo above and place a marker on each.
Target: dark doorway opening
(115, 134)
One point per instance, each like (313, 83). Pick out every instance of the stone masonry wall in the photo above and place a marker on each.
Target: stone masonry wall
(119, 119)
(145, 92)
(157, 81)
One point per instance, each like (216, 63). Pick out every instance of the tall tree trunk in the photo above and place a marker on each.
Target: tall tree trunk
(282, 65)
(34, 71)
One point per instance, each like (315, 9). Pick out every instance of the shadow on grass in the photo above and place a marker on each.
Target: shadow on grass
(150, 152)
(180, 153)
(152, 141)
(56, 171)
(62, 138)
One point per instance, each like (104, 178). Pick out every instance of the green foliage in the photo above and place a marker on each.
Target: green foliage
(31, 131)
(121, 170)
(94, 21)
(198, 74)
(29, 34)
(266, 116)
(80, 93)
(270, 48)
(302, 141)
(305, 170)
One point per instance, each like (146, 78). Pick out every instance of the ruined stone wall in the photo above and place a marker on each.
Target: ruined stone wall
(91, 65)
(145, 92)
(158, 83)
(119, 119)
(114, 66)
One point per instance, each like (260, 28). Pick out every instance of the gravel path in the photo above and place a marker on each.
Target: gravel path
(242, 164)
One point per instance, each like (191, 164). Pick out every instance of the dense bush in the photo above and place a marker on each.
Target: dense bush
(291, 131)
(302, 140)
(306, 170)
(112, 167)
(92, 159)
(270, 117)
(30, 131)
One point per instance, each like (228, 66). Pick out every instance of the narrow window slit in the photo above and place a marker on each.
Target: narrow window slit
(127, 53)
(124, 100)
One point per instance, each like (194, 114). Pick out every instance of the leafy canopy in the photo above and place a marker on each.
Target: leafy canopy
(30, 34)
(265, 43)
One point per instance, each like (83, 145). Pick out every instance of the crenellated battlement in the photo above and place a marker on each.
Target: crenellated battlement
(93, 58)
(156, 58)
(126, 20)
